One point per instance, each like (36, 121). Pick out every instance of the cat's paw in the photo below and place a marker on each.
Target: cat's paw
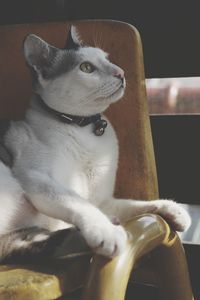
(174, 214)
(106, 239)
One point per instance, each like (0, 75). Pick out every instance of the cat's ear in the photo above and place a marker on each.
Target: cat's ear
(73, 39)
(38, 53)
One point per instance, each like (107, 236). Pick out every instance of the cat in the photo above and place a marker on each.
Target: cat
(64, 157)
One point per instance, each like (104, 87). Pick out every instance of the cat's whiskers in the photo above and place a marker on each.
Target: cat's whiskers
(96, 44)
(105, 91)
(109, 88)
(99, 39)
(87, 100)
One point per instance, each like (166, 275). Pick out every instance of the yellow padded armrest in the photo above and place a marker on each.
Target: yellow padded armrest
(46, 281)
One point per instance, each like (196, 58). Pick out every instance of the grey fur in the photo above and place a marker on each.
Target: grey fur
(5, 155)
(67, 243)
(70, 43)
(65, 61)
(46, 59)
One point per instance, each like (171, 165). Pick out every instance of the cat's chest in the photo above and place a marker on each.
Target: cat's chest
(74, 158)
(82, 177)
(85, 160)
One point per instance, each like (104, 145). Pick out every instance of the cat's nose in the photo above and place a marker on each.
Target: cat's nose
(120, 74)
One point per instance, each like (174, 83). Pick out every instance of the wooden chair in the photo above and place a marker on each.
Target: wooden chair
(106, 279)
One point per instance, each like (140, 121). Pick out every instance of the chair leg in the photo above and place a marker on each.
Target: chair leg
(171, 264)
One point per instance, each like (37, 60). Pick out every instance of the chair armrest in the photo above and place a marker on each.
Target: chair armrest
(49, 280)
(108, 279)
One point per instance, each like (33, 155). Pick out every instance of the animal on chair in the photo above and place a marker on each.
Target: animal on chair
(65, 155)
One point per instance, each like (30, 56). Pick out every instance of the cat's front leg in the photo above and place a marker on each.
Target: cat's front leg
(171, 211)
(101, 235)
(54, 200)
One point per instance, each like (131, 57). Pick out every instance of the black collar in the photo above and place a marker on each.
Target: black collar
(99, 124)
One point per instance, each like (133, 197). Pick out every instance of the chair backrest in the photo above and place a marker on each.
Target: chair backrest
(136, 172)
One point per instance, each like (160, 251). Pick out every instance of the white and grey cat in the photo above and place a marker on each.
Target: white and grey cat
(63, 172)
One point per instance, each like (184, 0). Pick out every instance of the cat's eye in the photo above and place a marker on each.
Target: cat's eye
(87, 67)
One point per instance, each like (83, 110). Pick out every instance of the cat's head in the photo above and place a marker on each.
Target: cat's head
(78, 80)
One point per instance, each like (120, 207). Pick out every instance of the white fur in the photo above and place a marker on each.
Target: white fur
(66, 172)
(75, 35)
